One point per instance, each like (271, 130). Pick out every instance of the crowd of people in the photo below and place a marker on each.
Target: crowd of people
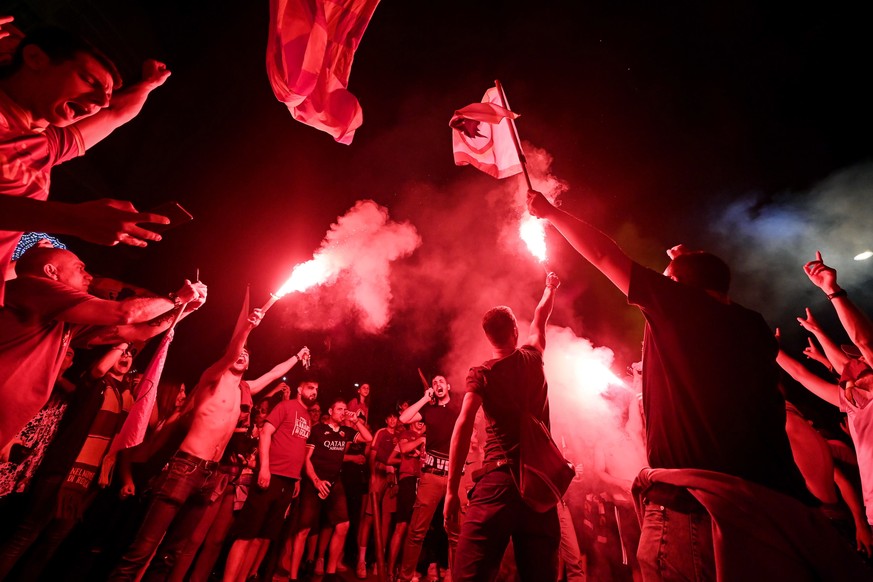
(711, 475)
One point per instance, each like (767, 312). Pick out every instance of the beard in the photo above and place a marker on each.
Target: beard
(308, 400)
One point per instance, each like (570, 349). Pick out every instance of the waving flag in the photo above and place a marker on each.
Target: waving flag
(482, 137)
(134, 428)
(310, 51)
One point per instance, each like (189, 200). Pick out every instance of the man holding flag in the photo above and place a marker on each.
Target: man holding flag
(192, 478)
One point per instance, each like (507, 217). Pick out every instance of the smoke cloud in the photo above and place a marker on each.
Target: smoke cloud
(768, 244)
(355, 259)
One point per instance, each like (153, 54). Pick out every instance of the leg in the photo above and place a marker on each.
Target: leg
(191, 545)
(181, 479)
(334, 551)
(675, 546)
(253, 564)
(431, 489)
(235, 559)
(297, 552)
(490, 519)
(536, 543)
(212, 545)
(570, 553)
(396, 543)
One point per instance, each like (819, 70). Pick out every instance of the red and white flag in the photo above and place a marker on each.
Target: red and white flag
(145, 395)
(482, 137)
(310, 51)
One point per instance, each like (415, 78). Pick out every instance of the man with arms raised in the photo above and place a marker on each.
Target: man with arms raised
(48, 307)
(56, 101)
(192, 478)
(715, 426)
(511, 382)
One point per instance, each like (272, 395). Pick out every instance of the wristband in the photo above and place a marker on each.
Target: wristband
(835, 294)
(177, 302)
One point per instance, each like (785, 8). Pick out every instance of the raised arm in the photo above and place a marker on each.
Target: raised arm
(537, 337)
(104, 222)
(597, 248)
(825, 390)
(856, 324)
(364, 435)
(412, 414)
(458, 450)
(234, 349)
(124, 105)
(105, 362)
(834, 356)
(278, 370)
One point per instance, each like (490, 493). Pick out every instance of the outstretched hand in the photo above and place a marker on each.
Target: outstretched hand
(809, 323)
(822, 276)
(110, 222)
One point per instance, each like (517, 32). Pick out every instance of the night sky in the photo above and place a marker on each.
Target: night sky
(663, 120)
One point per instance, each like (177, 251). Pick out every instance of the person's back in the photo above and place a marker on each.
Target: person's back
(514, 384)
(710, 386)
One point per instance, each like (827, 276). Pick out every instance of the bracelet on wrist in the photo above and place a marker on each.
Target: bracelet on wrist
(835, 294)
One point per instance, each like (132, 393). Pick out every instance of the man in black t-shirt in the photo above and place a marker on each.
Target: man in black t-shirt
(439, 414)
(323, 490)
(511, 382)
(709, 394)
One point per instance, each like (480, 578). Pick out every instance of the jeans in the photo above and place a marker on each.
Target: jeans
(675, 545)
(570, 553)
(497, 513)
(431, 490)
(189, 487)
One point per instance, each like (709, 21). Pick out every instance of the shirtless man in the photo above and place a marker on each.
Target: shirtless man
(192, 479)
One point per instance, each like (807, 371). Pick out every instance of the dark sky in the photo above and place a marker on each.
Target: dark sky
(657, 115)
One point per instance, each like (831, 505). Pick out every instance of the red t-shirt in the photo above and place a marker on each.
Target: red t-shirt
(288, 444)
(32, 346)
(27, 155)
(410, 463)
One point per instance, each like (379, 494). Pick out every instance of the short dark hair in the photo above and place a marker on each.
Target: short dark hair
(61, 45)
(33, 261)
(702, 270)
(336, 399)
(499, 324)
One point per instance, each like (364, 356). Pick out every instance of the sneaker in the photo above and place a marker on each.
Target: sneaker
(361, 571)
(340, 567)
(319, 567)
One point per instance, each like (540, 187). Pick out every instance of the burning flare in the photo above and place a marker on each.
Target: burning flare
(533, 233)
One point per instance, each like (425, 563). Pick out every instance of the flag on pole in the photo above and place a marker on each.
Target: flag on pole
(482, 137)
(134, 428)
(310, 50)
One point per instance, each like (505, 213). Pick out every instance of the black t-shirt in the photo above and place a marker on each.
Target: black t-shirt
(709, 386)
(329, 445)
(440, 421)
(507, 386)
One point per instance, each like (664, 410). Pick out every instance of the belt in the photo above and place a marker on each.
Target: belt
(672, 497)
(197, 461)
(491, 465)
(434, 470)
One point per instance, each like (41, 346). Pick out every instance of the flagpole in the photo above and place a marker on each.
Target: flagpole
(514, 132)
